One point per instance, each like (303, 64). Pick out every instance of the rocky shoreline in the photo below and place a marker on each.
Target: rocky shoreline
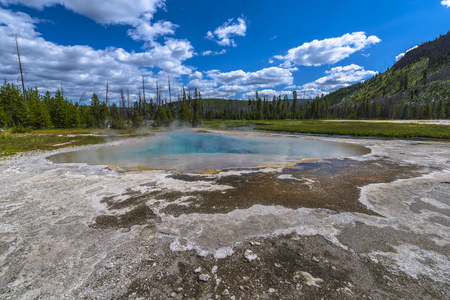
(370, 227)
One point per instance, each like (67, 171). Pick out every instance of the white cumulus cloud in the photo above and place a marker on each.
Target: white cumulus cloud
(196, 75)
(145, 31)
(327, 51)
(203, 85)
(267, 77)
(339, 77)
(137, 13)
(268, 93)
(110, 12)
(446, 3)
(223, 34)
(78, 68)
(231, 84)
(214, 53)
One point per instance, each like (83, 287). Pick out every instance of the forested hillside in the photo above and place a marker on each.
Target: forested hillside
(416, 87)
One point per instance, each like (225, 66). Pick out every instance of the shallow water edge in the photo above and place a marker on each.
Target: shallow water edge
(199, 151)
(369, 226)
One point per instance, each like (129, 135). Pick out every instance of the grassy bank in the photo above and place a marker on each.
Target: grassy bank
(12, 143)
(377, 129)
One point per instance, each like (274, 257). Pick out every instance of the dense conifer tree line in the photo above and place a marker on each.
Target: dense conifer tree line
(39, 111)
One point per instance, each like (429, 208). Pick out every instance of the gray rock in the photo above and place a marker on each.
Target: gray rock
(249, 255)
(204, 277)
(109, 266)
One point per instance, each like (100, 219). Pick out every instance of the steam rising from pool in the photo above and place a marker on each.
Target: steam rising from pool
(190, 151)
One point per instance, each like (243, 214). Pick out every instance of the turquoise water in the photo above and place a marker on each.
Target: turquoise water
(190, 151)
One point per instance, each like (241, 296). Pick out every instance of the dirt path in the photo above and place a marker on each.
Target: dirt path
(373, 227)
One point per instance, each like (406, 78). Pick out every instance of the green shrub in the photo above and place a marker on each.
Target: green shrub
(19, 129)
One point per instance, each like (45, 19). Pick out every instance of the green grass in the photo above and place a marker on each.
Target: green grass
(381, 129)
(227, 124)
(11, 143)
(50, 139)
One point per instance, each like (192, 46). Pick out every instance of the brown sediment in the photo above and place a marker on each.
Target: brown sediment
(365, 239)
(132, 198)
(139, 215)
(330, 184)
(212, 171)
(137, 169)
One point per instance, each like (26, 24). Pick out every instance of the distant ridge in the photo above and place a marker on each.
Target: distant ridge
(415, 87)
(434, 51)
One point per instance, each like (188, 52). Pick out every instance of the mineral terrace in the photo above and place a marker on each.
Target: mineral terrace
(370, 227)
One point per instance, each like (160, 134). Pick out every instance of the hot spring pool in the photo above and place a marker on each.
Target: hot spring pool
(191, 151)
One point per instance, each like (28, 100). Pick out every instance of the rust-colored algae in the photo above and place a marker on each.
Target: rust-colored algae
(210, 172)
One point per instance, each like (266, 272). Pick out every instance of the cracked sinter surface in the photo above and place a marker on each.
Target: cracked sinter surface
(368, 227)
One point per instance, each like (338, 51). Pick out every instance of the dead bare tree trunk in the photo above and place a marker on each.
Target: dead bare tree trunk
(81, 98)
(122, 104)
(143, 87)
(106, 92)
(157, 95)
(21, 71)
(128, 98)
(170, 93)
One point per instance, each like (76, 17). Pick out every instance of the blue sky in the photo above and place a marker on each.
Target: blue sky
(226, 49)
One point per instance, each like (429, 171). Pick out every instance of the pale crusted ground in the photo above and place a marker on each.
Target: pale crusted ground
(78, 231)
